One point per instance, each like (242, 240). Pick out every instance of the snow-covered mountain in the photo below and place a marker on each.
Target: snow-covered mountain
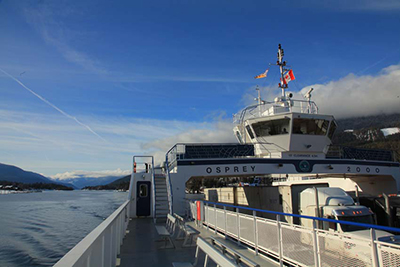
(390, 131)
(87, 181)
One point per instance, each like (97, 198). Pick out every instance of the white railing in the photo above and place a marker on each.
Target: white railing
(295, 244)
(102, 245)
(273, 108)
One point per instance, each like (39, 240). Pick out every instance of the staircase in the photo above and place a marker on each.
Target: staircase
(161, 197)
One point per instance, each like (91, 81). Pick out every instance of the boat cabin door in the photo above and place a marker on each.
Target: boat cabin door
(143, 189)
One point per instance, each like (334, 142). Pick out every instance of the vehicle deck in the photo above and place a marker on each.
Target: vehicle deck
(141, 248)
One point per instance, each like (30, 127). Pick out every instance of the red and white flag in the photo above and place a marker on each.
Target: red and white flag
(289, 76)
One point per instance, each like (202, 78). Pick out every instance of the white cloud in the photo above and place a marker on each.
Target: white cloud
(90, 174)
(50, 143)
(355, 95)
(218, 132)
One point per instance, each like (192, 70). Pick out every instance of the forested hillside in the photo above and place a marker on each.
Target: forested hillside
(365, 132)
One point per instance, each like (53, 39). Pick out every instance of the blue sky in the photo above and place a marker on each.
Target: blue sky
(133, 77)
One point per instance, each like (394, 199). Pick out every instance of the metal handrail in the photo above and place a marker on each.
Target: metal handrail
(297, 253)
(153, 188)
(310, 107)
(376, 227)
(169, 184)
(93, 248)
(175, 148)
(336, 151)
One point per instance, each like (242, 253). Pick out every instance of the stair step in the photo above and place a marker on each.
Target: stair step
(161, 190)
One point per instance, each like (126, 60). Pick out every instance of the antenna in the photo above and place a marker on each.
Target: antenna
(308, 97)
(308, 94)
(258, 99)
(283, 85)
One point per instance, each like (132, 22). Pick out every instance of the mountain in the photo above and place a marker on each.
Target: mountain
(373, 132)
(81, 182)
(378, 121)
(125, 179)
(14, 174)
(122, 183)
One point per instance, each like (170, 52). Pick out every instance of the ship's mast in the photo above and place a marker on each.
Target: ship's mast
(281, 65)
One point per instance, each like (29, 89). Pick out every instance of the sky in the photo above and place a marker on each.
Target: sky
(85, 85)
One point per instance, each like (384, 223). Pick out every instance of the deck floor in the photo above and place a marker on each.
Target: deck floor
(141, 248)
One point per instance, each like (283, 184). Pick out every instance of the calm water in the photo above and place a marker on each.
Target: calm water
(38, 229)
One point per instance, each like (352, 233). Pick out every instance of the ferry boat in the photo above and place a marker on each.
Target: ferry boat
(286, 139)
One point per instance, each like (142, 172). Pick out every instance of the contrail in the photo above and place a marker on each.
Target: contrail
(54, 106)
(379, 61)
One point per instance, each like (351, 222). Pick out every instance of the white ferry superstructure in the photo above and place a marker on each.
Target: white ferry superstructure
(286, 139)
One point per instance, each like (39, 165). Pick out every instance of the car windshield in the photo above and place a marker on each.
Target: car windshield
(357, 219)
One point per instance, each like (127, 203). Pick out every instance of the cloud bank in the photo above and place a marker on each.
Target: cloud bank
(355, 96)
(90, 174)
(219, 132)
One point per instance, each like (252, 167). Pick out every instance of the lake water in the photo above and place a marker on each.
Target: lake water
(37, 229)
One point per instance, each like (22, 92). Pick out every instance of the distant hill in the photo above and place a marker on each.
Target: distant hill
(378, 121)
(122, 183)
(366, 132)
(14, 174)
(125, 179)
(82, 182)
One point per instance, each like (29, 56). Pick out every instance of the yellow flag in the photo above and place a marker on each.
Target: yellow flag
(262, 75)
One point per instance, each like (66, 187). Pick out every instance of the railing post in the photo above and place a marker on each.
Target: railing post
(255, 232)
(238, 225)
(374, 252)
(225, 230)
(119, 230)
(111, 254)
(208, 216)
(103, 240)
(315, 244)
(280, 247)
(215, 214)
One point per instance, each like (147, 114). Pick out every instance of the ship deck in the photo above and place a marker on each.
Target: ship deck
(141, 248)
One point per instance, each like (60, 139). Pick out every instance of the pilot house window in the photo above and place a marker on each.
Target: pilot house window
(249, 131)
(310, 126)
(332, 129)
(274, 127)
